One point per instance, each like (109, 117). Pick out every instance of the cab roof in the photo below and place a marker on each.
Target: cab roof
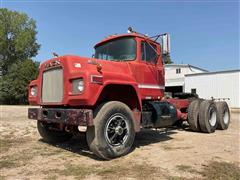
(116, 36)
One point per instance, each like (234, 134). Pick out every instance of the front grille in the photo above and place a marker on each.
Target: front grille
(52, 86)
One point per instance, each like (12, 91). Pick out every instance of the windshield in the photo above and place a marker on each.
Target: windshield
(117, 50)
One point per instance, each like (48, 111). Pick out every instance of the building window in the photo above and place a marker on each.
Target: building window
(194, 91)
(178, 71)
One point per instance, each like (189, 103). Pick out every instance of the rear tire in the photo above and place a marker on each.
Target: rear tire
(193, 115)
(223, 115)
(208, 116)
(52, 136)
(113, 132)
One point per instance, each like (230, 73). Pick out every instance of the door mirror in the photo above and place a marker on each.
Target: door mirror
(165, 44)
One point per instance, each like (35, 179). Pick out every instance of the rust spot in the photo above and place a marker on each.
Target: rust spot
(78, 117)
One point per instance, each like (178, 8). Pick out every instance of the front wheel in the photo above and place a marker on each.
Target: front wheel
(113, 132)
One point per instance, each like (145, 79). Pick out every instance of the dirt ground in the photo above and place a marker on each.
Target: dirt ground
(157, 154)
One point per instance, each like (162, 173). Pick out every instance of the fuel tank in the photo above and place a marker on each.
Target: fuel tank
(159, 114)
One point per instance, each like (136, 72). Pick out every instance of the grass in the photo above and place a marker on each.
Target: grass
(2, 177)
(168, 147)
(27, 131)
(176, 178)
(72, 170)
(83, 171)
(186, 168)
(5, 144)
(10, 161)
(183, 167)
(51, 177)
(7, 163)
(42, 149)
(48, 152)
(15, 160)
(215, 170)
(221, 170)
(23, 157)
(109, 172)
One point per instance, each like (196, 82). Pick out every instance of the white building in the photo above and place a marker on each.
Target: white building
(223, 85)
(175, 76)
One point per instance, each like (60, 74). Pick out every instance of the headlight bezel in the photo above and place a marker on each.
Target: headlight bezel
(78, 86)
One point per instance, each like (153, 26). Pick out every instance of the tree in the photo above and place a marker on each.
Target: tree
(17, 46)
(17, 38)
(167, 59)
(14, 85)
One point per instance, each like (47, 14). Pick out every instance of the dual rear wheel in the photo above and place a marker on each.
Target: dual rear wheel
(207, 116)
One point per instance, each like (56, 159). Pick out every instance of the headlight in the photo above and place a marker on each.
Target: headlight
(78, 86)
(33, 91)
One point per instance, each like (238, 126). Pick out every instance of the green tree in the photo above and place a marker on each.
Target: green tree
(14, 85)
(167, 59)
(17, 38)
(17, 46)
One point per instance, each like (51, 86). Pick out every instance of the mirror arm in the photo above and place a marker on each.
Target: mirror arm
(157, 36)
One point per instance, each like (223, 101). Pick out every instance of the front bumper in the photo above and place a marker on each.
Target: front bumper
(78, 117)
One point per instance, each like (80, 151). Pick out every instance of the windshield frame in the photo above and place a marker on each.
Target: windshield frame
(115, 39)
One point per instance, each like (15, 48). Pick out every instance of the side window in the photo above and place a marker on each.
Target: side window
(148, 52)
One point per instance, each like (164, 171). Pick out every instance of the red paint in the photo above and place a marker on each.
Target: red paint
(130, 73)
(136, 75)
(179, 103)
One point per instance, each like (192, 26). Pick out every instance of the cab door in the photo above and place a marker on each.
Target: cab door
(151, 86)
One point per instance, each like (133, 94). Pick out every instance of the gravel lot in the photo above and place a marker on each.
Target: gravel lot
(157, 154)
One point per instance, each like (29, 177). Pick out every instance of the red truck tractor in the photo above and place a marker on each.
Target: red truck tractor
(115, 94)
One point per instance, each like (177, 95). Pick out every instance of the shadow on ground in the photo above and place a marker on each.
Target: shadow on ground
(77, 144)
(145, 137)
(150, 136)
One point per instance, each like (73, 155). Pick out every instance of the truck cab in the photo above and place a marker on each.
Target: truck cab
(130, 60)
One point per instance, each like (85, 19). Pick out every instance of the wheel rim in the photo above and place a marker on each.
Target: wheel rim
(226, 117)
(213, 117)
(116, 130)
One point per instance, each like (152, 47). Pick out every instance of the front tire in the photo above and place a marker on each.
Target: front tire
(50, 135)
(113, 132)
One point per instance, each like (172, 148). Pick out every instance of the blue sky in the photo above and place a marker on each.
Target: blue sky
(203, 33)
